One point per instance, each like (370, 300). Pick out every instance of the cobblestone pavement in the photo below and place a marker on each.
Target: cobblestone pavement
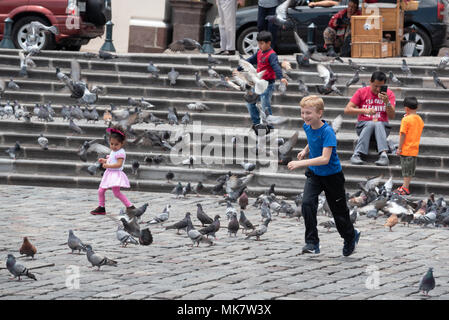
(386, 265)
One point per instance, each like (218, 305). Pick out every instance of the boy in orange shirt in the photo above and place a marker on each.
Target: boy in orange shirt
(410, 134)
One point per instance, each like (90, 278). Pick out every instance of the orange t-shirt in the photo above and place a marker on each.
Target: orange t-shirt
(412, 126)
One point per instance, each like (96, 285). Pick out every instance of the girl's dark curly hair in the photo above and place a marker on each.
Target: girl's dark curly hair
(117, 132)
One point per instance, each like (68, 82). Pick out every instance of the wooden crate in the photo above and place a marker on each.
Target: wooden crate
(372, 49)
(366, 28)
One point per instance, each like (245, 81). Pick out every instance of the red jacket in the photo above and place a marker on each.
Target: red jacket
(333, 23)
(263, 63)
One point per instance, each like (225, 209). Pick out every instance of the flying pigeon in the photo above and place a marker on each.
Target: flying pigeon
(97, 261)
(311, 51)
(280, 18)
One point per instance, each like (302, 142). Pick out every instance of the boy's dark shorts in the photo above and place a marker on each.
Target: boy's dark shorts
(408, 165)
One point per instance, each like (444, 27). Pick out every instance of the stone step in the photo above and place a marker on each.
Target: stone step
(295, 180)
(429, 146)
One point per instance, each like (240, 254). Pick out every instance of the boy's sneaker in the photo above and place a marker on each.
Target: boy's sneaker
(349, 246)
(311, 248)
(402, 191)
(99, 211)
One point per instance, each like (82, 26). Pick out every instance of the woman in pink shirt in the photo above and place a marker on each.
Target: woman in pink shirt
(373, 108)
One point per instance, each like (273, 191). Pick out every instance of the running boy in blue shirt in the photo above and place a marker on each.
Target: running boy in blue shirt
(324, 173)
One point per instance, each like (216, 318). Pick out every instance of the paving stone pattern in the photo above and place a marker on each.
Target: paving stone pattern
(234, 268)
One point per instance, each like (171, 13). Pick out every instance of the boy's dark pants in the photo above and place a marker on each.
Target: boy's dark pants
(334, 190)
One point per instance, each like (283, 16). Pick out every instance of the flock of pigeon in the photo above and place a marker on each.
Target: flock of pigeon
(372, 200)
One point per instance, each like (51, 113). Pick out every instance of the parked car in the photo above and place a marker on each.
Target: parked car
(429, 19)
(78, 21)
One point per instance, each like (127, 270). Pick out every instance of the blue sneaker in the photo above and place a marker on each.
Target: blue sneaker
(311, 248)
(349, 246)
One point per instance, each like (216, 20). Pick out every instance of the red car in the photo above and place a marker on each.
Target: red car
(78, 21)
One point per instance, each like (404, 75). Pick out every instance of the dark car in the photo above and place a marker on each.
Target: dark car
(429, 19)
(78, 21)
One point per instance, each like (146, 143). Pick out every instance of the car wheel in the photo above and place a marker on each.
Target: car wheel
(423, 43)
(45, 40)
(247, 41)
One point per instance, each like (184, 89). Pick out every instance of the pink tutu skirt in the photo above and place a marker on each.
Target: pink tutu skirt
(114, 178)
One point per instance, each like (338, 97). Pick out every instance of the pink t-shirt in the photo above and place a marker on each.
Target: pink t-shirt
(364, 98)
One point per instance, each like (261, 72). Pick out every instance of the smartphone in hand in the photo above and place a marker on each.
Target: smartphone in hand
(384, 88)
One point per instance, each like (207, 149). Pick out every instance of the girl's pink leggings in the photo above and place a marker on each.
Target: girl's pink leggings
(117, 194)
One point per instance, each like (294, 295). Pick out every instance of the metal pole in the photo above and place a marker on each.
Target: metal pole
(311, 34)
(108, 45)
(207, 45)
(7, 43)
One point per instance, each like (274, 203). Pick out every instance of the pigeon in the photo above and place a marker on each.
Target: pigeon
(186, 119)
(329, 79)
(124, 237)
(285, 149)
(12, 151)
(198, 188)
(259, 232)
(75, 243)
(254, 78)
(162, 217)
(353, 80)
(137, 212)
(153, 70)
(173, 76)
(405, 68)
(196, 236)
(172, 116)
(311, 51)
(250, 96)
(212, 73)
(265, 211)
(282, 88)
(245, 223)
(169, 176)
(135, 167)
(354, 66)
(443, 61)
(302, 87)
(145, 238)
(393, 78)
(96, 260)
(43, 142)
(200, 82)
(13, 85)
(180, 224)
(233, 225)
(177, 190)
(27, 248)
(186, 189)
(427, 283)
(336, 124)
(407, 218)
(353, 215)
(302, 60)
(248, 166)
(243, 200)
(280, 18)
(189, 161)
(370, 184)
(105, 55)
(212, 228)
(437, 80)
(185, 44)
(229, 210)
(74, 127)
(202, 216)
(18, 270)
(197, 106)
(211, 60)
(131, 226)
(328, 224)
(391, 221)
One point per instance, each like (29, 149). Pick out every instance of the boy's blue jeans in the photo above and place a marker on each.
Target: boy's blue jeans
(334, 189)
(265, 99)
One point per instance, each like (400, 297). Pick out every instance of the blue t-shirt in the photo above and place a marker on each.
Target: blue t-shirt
(319, 139)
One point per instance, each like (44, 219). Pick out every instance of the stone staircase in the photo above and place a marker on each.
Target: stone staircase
(127, 77)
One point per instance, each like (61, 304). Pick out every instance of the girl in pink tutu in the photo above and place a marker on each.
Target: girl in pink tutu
(114, 177)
